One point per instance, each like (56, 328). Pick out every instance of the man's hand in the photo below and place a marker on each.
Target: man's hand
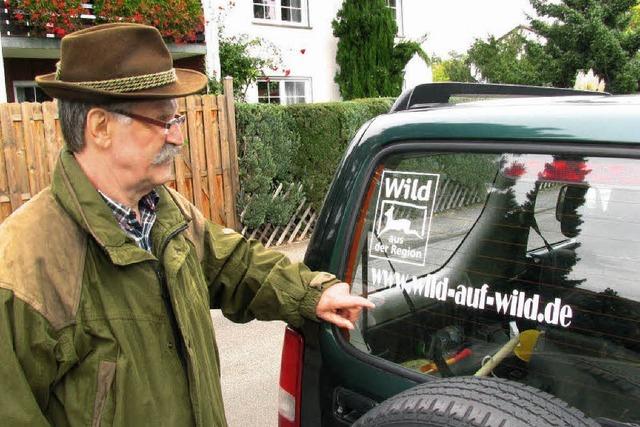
(339, 307)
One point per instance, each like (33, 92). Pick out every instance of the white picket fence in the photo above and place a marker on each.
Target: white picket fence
(451, 196)
(299, 227)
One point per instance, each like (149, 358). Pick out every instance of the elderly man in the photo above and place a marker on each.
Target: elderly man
(107, 277)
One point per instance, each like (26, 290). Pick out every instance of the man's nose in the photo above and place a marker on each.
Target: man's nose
(175, 135)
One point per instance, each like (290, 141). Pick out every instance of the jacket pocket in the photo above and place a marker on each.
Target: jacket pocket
(106, 375)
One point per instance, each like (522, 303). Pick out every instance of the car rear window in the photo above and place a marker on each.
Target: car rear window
(519, 266)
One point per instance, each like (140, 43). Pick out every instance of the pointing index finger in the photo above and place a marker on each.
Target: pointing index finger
(356, 301)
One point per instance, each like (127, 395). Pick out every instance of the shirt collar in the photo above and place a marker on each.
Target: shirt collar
(82, 202)
(138, 229)
(148, 203)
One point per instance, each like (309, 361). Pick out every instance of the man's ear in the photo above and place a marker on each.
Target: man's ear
(99, 128)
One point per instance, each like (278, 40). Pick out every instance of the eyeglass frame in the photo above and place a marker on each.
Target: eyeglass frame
(178, 119)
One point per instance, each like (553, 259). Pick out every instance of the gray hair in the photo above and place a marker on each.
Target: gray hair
(73, 119)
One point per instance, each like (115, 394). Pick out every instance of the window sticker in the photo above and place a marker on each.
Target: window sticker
(515, 303)
(403, 216)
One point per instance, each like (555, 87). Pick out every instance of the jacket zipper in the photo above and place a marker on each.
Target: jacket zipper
(180, 344)
(166, 298)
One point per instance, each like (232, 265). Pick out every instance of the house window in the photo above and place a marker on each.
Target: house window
(264, 9)
(290, 12)
(28, 91)
(269, 92)
(285, 91)
(392, 5)
(396, 8)
(294, 92)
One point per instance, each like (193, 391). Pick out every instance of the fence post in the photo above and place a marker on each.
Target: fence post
(233, 145)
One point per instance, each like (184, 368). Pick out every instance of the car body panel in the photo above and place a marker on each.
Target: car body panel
(565, 124)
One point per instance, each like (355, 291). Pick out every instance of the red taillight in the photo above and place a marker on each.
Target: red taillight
(290, 379)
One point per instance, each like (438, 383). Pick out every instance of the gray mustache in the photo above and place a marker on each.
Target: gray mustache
(168, 152)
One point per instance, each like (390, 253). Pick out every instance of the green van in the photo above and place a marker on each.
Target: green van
(500, 242)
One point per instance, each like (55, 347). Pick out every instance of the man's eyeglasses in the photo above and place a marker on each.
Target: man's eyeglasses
(176, 121)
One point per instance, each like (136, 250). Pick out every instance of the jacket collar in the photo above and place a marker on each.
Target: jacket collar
(83, 203)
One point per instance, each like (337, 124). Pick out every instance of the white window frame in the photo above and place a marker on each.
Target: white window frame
(282, 83)
(277, 18)
(397, 9)
(23, 84)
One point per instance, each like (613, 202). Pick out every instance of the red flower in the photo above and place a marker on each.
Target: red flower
(514, 170)
(564, 170)
(287, 72)
(175, 18)
(302, 51)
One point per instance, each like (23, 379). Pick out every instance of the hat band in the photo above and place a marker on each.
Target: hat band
(131, 84)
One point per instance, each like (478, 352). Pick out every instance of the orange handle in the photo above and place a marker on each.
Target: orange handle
(462, 354)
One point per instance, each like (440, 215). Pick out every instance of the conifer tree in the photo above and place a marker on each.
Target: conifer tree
(370, 64)
(590, 34)
(571, 35)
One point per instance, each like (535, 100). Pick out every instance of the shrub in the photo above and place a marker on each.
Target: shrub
(244, 59)
(267, 146)
(454, 69)
(294, 144)
(304, 143)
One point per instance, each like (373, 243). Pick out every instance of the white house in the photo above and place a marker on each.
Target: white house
(302, 30)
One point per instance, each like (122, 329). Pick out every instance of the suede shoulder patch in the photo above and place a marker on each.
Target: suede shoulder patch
(42, 253)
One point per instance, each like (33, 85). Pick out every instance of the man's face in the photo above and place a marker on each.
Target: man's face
(143, 152)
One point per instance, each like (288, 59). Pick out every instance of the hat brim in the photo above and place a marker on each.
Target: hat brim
(188, 82)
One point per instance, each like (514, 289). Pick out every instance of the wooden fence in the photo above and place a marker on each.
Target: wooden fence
(206, 172)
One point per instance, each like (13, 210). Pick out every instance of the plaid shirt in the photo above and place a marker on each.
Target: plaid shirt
(139, 231)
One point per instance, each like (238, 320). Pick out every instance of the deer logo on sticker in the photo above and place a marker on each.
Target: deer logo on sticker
(403, 216)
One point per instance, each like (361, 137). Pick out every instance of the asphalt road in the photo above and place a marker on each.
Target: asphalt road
(250, 362)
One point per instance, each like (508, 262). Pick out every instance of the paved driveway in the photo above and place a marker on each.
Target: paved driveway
(250, 359)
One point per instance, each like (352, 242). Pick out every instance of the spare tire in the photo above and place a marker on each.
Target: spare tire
(470, 401)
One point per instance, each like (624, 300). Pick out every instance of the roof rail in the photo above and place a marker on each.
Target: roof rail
(430, 94)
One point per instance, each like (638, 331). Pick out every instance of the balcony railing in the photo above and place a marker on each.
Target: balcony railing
(16, 23)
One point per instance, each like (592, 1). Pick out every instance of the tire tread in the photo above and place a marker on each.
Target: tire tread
(477, 402)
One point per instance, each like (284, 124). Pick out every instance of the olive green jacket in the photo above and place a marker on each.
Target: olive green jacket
(96, 331)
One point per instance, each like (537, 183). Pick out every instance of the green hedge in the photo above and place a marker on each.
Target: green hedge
(300, 143)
